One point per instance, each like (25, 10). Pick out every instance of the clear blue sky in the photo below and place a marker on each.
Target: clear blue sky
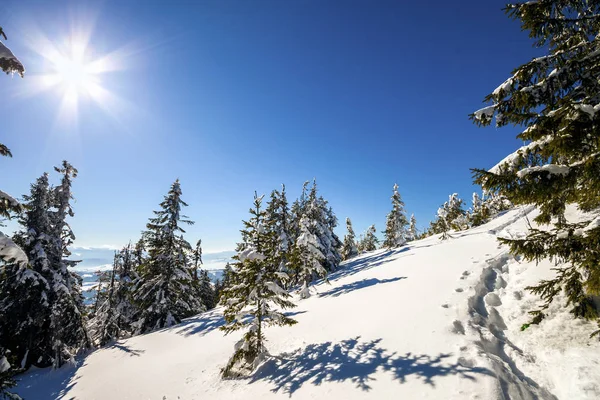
(236, 96)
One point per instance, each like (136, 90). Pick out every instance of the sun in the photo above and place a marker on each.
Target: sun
(77, 73)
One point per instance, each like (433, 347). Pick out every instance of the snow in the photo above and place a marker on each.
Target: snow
(433, 319)
(551, 169)
(487, 112)
(9, 251)
(512, 159)
(14, 65)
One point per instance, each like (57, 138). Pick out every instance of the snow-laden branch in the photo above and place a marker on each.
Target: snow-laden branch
(8, 62)
(10, 252)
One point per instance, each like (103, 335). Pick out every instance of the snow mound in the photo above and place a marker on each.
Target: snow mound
(433, 319)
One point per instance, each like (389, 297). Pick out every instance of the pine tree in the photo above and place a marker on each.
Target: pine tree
(320, 220)
(9, 251)
(456, 216)
(277, 221)
(555, 98)
(67, 320)
(395, 226)
(308, 256)
(164, 291)
(480, 213)
(349, 249)
(413, 231)
(197, 261)
(6, 376)
(369, 241)
(250, 300)
(104, 327)
(44, 302)
(442, 225)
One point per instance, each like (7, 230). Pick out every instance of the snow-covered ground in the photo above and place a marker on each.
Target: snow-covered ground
(433, 320)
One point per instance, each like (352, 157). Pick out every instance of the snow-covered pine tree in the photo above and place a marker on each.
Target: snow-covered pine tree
(207, 291)
(297, 210)
(320, 220)
(555, 98)
(249, 302)
(395, 233)
(308, 256)
(67, 319)
(370, 241)
(6, 376)
(277, 220)
(197, 261)
(349, 248)
(225, 281)
(441, 225)
(9, 251)
(480, 213)
(456, 216)
(25, 294)
(164, 291)
(104, 327)
(413, 231)
(139, 255)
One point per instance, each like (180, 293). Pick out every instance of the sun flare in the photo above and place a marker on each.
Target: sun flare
(76, 72)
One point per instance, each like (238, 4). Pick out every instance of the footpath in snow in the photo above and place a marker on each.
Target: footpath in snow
(433, 320)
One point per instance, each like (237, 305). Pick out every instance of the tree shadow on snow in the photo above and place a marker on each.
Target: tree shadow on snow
(354, 266)
(350, 287)
(208, 322)
(355, 361)
(122, 346)
(46, 383)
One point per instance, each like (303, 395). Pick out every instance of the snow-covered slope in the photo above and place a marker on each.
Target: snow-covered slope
(434, 320)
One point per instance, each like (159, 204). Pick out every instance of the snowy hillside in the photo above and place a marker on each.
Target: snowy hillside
(434, 319)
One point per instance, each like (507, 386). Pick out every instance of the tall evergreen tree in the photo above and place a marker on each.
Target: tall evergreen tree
(277, 221)
(396, 223)
(67, 320)
(9, 251)
(308, 256)
(349, 249)
(45, 301)
(164, 291)
(250, 302)
(555, 98)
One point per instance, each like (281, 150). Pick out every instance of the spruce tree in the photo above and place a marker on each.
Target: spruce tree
(207, 290)
(67, 319)
(44, 302)
(369, 241)
(555, 99)
(164, 291)
(278, 221)
(9, 251)
(413, 231)
(308, 256)
(395, 226)
(349, 249)
(104, 327)
(250, 301)
(442, 225)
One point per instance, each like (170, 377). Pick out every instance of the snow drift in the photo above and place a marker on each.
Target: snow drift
(433, 319)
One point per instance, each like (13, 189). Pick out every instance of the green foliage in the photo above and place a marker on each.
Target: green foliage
(555, 98)
(252, 293)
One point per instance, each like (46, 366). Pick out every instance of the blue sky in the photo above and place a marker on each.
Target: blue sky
(236, 96)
